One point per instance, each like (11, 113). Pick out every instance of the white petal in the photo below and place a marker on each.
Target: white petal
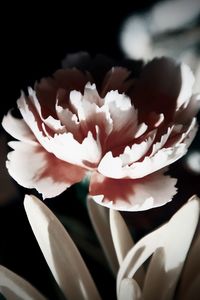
(187, 79)
(17, 128)
(50, 121)
(158, 145)
(113, 166)
(76, 153)
(181, 228)
(122, 240)
(168, 261)
(191, 267)
(13, 287)
(60, 252)
(100, 221)
(129, 290)
(139, 254)
(185, 114)
(121, 236)
(162, 158)
(137, 151)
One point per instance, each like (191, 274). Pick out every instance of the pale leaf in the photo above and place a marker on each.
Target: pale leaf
(61, 254)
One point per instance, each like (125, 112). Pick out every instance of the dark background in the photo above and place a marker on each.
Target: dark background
(34, 41)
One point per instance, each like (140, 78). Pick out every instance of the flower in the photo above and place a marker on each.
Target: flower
(171, 273)
(119, 130)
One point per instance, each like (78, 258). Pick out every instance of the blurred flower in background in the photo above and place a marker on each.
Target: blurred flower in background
(171, 273)
(169, 28)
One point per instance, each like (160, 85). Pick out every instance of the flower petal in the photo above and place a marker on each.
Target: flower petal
(185, 114)
(187, 79)
(100, 221)
(17, 128)
(180, 228)
(129, 290)
(123, 241)
(45, 173)
(191, 267)
(13, 286)
(46, 89)
(60, 252)
(167, 262)
(113, 166)
(116, 80)
(121, 236)
(162, 79)
(133, 195)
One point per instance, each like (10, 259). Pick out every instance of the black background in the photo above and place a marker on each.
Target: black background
(34, 40)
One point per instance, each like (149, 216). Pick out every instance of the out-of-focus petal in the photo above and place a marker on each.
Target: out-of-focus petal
(192, 293)
(100, 221)
(60, 252)
(13, 287)
(133, 195)
(45, 173)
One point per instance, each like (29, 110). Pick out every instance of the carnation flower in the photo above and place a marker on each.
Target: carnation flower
(103, 122)
(171, 273)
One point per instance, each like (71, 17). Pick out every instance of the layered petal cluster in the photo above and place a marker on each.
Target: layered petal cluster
(120, 130)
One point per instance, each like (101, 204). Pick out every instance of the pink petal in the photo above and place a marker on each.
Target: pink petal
(133, 195)
(44, 172)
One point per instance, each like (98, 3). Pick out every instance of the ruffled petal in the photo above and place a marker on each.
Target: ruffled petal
(133, 195)
(159, 157)
(32, 167)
